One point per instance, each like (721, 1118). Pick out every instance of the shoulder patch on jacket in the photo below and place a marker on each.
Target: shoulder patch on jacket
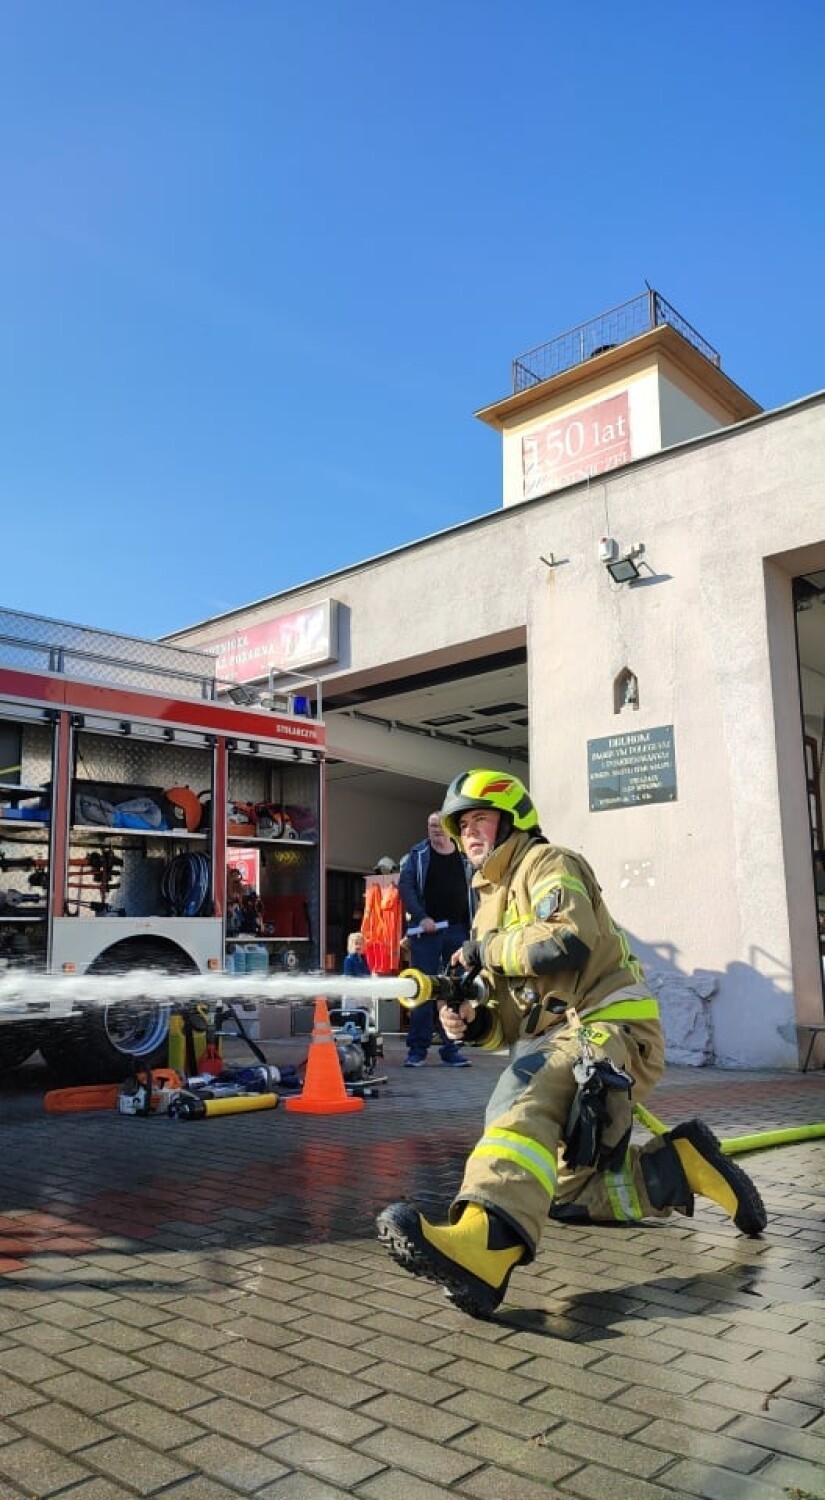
(548, 906)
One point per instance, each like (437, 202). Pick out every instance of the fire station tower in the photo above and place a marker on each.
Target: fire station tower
(626, 384)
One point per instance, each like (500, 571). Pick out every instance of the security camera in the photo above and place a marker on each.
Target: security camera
(608, 549)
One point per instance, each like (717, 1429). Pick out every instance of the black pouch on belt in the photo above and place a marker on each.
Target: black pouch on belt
(592, 1114)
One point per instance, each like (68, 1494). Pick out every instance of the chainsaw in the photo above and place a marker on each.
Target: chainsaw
(259, 820)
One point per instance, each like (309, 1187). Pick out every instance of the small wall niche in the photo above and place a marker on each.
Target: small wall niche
(625, 691)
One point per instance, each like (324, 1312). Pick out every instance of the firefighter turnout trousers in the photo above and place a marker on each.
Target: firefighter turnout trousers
(515, 1168)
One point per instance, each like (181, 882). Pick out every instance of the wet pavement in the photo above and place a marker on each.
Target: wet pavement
(198, 1310)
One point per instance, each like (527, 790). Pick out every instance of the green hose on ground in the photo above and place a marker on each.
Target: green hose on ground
(736, 1145)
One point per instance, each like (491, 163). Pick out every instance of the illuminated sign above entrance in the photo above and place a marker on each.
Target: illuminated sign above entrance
(307, 638)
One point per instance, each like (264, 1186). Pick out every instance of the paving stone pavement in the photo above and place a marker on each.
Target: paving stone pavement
(199, 1310)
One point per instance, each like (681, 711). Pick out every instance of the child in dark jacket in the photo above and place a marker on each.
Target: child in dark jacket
(355, 963)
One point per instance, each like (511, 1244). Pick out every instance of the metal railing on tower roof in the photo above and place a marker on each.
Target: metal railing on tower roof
(619, 325)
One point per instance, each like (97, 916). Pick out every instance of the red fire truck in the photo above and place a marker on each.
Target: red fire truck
(148, 819)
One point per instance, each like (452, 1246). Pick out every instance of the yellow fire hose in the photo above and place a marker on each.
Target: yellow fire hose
(240, 1105)
(736, 1145)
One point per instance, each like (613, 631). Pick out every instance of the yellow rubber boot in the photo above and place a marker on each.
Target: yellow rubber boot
(711, 1174)
(472, 1259)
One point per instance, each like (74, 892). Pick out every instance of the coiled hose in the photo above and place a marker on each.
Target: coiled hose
(185, 885)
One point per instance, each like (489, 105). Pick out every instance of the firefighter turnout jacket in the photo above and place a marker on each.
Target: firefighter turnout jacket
(548, 943)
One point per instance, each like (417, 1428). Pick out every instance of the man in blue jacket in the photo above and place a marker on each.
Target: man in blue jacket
(435, 890)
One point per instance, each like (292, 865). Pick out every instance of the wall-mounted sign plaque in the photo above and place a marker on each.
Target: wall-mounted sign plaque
(626, 770)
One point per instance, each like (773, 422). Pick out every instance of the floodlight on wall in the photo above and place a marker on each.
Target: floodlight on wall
(623, 570)
(621, 566)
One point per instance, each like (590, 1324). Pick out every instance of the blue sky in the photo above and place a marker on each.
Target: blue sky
(261, 260)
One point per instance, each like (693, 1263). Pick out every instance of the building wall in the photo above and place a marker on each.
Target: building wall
(681, 417)
(357, 838)
(715, 887)
(724, 879)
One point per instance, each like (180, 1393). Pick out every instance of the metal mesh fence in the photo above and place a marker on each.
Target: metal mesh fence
(34, 643)
(618, 326)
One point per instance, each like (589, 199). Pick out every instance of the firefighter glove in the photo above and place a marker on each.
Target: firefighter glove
(472, 955)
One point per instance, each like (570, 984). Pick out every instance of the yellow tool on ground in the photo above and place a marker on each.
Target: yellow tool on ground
(188, 1107)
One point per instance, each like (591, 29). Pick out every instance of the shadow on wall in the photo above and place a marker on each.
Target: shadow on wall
(686, 1001)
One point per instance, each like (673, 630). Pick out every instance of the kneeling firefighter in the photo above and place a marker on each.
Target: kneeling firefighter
(548, 972)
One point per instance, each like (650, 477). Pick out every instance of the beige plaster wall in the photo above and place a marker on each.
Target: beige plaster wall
(384, 621)
(681, 416)
(356, 839)
(730, 878)
(717, 884)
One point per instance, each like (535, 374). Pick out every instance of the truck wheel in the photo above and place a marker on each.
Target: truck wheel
(99, 1044)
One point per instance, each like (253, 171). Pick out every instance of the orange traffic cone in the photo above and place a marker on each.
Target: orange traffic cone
(324, 1092)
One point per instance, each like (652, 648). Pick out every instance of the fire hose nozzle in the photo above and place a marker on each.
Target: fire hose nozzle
(450, 989)
(424, 988)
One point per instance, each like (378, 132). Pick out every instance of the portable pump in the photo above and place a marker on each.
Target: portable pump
(358, 1042)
